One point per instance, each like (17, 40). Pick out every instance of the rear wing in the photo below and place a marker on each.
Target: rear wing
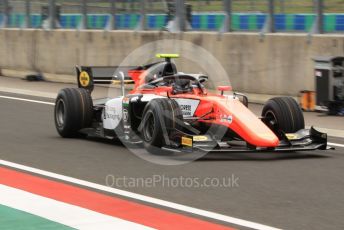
(88, 76)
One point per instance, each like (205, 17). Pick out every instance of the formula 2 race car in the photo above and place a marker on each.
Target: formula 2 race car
(173, 111)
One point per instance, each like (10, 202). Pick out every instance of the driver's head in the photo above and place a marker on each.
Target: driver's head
(183, 83)
(182, 86)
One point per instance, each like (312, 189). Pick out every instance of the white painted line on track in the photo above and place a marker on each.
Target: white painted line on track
(28, 92)
(63, 213)
(151, 200)
(27, 100)
(330, 132)
(335, 144)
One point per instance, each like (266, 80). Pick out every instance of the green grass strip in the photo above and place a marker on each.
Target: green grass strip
(13, 219)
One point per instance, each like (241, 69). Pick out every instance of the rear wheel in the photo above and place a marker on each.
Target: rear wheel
(283, 113)
(160, 118)
(73, 111)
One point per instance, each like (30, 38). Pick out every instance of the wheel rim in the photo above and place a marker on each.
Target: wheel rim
(149, 127)
(271, 118)
(60, 112)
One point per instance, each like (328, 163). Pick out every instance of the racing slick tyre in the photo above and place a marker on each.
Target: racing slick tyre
(161, 117)
(73, 111)
(283, 113)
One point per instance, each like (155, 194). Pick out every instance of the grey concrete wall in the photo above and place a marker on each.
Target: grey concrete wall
(278, 64)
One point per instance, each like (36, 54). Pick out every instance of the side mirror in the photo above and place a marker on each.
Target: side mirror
(223, 88)
(244, 99)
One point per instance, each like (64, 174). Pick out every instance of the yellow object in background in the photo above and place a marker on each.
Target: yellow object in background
(307, 100)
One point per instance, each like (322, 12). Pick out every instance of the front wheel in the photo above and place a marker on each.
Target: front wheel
(283, 113)
(160, 118)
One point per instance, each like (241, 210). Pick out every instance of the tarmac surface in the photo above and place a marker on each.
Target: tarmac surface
(288, 191)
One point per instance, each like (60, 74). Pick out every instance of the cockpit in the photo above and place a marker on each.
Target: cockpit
(165, 74)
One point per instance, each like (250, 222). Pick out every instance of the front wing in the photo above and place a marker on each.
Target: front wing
(303, 140)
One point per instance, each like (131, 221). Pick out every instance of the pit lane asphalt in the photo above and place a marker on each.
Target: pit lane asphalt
(294, 191)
